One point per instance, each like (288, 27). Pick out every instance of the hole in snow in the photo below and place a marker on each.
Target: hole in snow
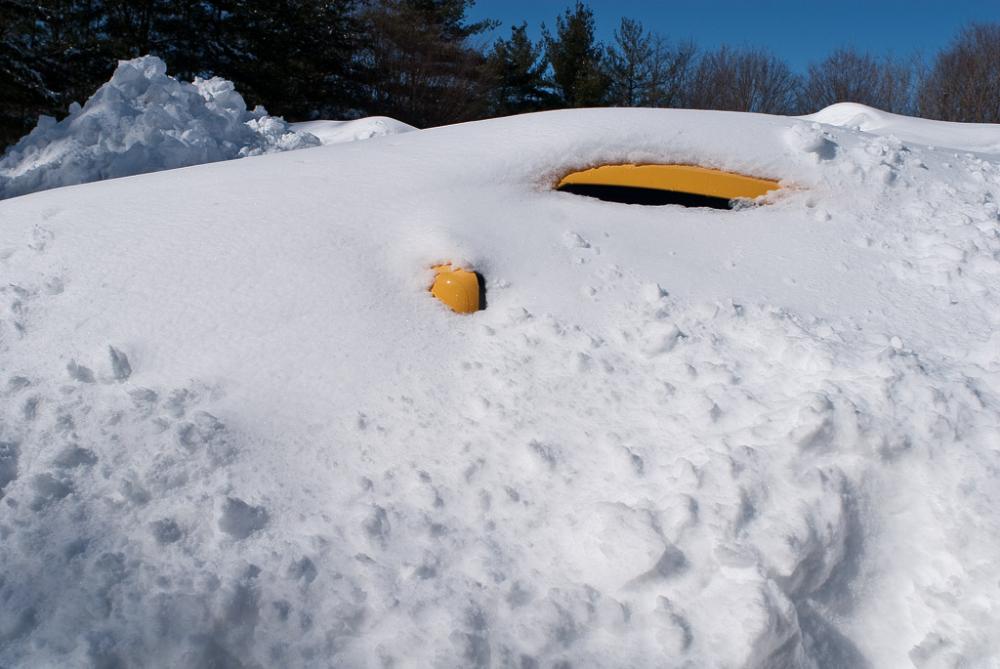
(685, 185)
(649, 196)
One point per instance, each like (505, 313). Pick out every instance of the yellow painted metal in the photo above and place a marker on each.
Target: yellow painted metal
(457, 288)
(678, 178)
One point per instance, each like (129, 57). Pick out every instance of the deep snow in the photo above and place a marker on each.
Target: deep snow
(237, 430)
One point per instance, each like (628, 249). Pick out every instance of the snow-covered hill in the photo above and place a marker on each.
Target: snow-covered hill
(236, 430)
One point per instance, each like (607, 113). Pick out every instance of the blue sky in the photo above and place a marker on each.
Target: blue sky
(800, 32)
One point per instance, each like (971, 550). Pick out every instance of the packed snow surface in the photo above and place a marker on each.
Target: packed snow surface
(236, 429)
(143, 121)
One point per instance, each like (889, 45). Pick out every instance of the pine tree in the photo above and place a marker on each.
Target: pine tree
(419, 64)
(71, 48)
(51, 54)
(518, 74)
(629, 65)
(293, 56)
(644, 70)
(22, 88)
(578, 79)
(178, 31)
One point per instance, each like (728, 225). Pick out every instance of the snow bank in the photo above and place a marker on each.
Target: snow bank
(241, 433)
(143, 121)
(961, 136)
(338, 132)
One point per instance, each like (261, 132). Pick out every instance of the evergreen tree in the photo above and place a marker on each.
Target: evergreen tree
(644, 70)
(52, 53)
(22, 88)
(629, 65)
(518, 74)
(182, 32)
(419, 63)
(72, 52)
(578, 79)
(293, 56)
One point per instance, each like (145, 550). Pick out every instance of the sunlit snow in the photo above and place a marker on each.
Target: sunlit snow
(144, 120)
(236, 430)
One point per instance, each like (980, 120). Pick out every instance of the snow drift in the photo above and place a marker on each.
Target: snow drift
(337, 132)
(961, 136)
(237, 431)
(143, 120)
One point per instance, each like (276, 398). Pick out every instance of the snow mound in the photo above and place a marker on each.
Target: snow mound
(143, 120)
(984, 137)
(338, 132)
(243, 434)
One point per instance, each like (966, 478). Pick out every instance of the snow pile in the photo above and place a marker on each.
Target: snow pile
(961, 136)
(143, 121)
(337, 132)
(243, 434)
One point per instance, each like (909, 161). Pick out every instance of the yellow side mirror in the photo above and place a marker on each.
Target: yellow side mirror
(458, 288)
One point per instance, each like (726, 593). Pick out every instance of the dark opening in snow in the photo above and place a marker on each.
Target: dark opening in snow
(649, 196)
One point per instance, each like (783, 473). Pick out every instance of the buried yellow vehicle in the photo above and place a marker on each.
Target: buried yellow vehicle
(691, 437)
(458, 288)
(688, 185)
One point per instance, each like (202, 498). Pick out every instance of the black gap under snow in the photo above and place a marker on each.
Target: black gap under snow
(651, 196)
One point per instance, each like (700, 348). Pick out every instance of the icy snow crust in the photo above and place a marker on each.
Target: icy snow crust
(143, 121)
(237, 431)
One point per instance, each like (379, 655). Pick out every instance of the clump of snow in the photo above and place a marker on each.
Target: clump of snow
(243, 433)
(338, 132)
(813, 140)
(143, 120)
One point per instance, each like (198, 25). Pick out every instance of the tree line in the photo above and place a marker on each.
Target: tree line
(426, 63)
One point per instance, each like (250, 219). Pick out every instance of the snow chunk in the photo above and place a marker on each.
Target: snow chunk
(141, 121)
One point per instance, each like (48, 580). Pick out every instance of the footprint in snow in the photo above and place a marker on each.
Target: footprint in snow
(239, 519)
(10, 453)
(40, 238)
(573, 240)
(119, 367)
(79, 372)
